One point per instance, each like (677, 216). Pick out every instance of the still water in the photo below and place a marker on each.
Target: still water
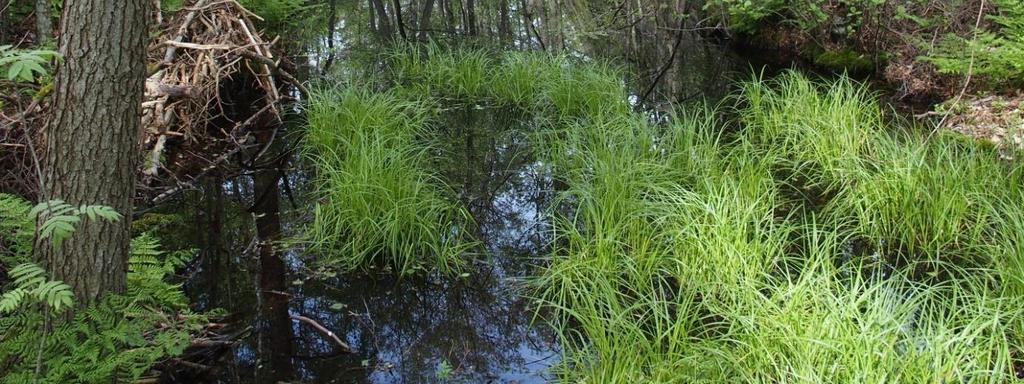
(479, 328)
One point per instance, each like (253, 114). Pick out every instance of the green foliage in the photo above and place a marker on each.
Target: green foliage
(279, 15)
(115, 338)
(147, 269)
(16, 230)
(118, 338)
(31, 286)
(379, 202)
(820, 134)
(550, 86)
(25, 65)
(60, 218)
(996, 55)
(681, 258)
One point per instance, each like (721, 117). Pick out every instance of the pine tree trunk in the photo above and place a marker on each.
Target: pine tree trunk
(92, 138)
(43, 25)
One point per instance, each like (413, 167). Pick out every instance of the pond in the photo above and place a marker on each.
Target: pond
(480, 327)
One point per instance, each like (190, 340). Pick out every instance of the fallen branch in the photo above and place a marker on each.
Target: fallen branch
(324, 331)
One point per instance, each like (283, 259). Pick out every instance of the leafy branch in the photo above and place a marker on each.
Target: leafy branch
(61, 218)
(25, 65)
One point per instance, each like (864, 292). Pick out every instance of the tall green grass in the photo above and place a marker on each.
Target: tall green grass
(675, 263)
(379, 203)
(821, 134)
(552, 86)
(677, 256)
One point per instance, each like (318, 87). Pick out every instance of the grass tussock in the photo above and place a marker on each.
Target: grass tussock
(675, 263)
(379, 204)
(560, 86)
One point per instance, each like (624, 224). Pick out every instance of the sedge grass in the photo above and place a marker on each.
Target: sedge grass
(674, 265)
(378, 203)
(673, 262)
(549, 85)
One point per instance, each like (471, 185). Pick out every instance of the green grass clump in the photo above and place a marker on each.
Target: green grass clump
(549, 86)
(819, 133)
(828, 323)
(378, 201)
(673, 261)
(928, 195)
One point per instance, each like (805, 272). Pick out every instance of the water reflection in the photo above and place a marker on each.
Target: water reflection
(428, 329)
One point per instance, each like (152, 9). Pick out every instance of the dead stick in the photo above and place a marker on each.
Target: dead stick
(324, 331)
(182, 30)
(280, 72)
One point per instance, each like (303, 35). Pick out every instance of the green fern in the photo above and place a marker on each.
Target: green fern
(16, 230)
(112, 340)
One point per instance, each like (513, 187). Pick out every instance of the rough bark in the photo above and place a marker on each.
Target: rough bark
(44, 27)
(92, 138)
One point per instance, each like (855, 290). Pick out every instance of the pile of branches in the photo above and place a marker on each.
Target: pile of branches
(204, 55)
(189, 129)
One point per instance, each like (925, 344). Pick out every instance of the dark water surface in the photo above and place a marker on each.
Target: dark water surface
(479, 328)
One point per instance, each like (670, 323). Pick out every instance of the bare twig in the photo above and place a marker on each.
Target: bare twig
(324, 331)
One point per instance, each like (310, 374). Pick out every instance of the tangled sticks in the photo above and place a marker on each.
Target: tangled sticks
(189, 130)
(184, 117)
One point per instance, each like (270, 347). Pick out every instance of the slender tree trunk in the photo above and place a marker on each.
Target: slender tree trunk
(449, 16)
(398, 19)
(471, 17)
(44, 27)
(92, 139)
(428, 8)
(372, 16)
(332, 19)
(382, 18)
(504, 22)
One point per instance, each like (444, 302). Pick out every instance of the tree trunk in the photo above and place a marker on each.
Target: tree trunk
(399, 21)
(382, 18)
(504, 22)
(428, 9)
(372, 17)
(332, 21)
(471, 17)
(92, 138)
(44, 27)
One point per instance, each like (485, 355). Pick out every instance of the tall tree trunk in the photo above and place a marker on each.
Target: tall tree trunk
(44, 27)
(449, 16)
(382, 18)
(504, 22)
(428, 8)
(398, 19)
(471, 17)
(332, 20)
(372, 16)
(92, 138)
